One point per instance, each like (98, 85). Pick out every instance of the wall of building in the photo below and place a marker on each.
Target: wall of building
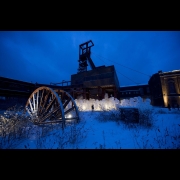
(128, 92)
(95, 83)
(165, 88)
(155, 87)
(170, 87)
(14, 92)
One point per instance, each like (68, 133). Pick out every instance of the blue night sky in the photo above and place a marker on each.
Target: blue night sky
(52, 56)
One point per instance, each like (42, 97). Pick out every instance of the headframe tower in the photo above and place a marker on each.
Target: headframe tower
(85, 56)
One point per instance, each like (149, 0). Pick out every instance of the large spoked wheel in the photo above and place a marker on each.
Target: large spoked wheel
(45, 105)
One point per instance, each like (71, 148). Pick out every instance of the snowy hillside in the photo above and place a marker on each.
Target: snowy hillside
(103, 129)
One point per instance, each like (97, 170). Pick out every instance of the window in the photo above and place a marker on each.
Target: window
(171, 86)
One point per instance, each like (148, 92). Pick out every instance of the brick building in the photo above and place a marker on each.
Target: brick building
(165, 88)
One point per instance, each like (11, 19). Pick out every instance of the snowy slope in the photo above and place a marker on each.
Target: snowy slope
(98, 130)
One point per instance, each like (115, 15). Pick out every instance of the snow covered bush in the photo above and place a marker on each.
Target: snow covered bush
(16, 129)
(146, 117)
(110, 108)
(136, 102)
(69, 137)
(109, 115)
(12, 127)
(146, 112)
(99, 105)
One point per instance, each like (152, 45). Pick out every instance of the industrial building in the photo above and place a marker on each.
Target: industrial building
(95, 82)
(163, 88)
(88, 84)
(128, 92)
(14, 92)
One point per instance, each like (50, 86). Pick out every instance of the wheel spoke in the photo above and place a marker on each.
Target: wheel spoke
(28, 111)
(47, 108)
(31, 105)
(34, 103)
(46, 105)
(66, 103)
(63, 97)
(50, 114)
(37, 99)
(41, 102)
(50, 104)
(69, 110)
(45, 102)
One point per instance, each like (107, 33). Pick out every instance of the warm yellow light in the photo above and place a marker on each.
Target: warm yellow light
(165, 100)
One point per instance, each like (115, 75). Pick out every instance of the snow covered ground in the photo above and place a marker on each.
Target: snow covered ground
(99, 129)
